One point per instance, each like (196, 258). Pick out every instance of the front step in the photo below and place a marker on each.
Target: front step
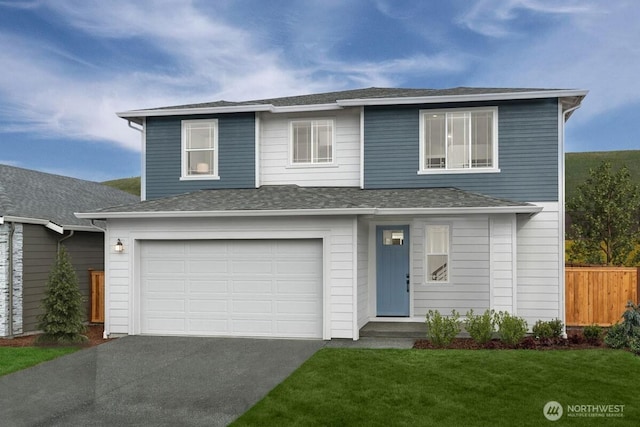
(415, 330)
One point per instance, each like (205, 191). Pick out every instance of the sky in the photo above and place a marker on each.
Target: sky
(67, 66)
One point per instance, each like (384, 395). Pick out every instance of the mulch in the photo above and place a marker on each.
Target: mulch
(93, 333)
(574, 341)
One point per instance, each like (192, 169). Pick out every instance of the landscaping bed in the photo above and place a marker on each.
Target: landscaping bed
(93, 333)
(576, 342)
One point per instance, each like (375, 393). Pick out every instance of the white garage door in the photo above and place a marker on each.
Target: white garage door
(232, 287)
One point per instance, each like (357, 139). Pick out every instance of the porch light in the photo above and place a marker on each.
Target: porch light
(119, 247)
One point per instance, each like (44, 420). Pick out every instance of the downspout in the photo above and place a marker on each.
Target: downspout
(12, 229)
(71, 233)
(562, 223)
(143, 137)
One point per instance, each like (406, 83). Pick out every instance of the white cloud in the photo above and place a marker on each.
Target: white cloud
(498, 18)
(51, 90)
(597, 51)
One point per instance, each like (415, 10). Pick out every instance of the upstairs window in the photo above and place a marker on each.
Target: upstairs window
(312, 142)
(458, 140)
(200, 149)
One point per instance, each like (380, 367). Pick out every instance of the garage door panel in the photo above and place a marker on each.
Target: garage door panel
(165, 285)
(252, 286)
(208, 307)
(208, 266)
(297, 287)
(208, 287)
(252, 266)
(161, 266)
(252, 306)
(165, 305)
(232, 287)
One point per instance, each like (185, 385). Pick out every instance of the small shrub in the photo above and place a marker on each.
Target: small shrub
(481, 327)
(592, 334)
(511, 329)
(616, 336)
(542, 330)
(441, 330)
(631, 318)
(557, 328)
(634, 345)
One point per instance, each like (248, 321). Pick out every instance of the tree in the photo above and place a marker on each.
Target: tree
(62, 321)
(605, 215)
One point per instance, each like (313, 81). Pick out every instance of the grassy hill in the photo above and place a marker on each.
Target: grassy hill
(130, 185)
(577, 169)
(577, 166)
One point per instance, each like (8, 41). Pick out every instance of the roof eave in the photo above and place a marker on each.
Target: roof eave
(525, 209)
(462, 98)
(138, 115)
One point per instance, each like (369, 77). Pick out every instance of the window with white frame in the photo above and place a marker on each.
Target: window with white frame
(459, 140)
(311, 142)
(200, 148)
(437, 253)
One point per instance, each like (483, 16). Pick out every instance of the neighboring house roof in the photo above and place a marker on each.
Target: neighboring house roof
(361, 97)
(292, 199)
(30, 196)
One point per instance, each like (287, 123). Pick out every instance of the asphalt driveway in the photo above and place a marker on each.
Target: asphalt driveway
(151, 381)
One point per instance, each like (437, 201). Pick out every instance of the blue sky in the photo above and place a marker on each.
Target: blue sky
(69, 66)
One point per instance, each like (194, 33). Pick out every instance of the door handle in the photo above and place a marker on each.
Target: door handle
(408, 281)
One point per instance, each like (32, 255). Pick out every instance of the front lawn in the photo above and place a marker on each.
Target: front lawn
(453, 387)
(15, 358)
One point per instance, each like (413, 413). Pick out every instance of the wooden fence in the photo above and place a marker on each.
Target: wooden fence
(97, 296)
(598, 294)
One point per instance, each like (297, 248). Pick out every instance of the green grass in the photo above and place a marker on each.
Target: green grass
(130, 185)
(339, 387)
(16, 358)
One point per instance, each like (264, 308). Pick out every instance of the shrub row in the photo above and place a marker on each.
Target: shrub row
(441, 330)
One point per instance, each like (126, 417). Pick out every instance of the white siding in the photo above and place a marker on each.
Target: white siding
(540, 265)
(503, 277)
(274, 151)
(122, 278)
(469, 267)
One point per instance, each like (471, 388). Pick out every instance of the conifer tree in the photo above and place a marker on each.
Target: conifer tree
(62, 320)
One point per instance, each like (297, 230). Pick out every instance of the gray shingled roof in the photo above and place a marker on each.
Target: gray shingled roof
(291, 197)
(37, 195)
(368, 93)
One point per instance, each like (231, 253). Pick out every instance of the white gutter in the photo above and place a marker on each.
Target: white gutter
(313, 212)
(460, 98)
(49, 224)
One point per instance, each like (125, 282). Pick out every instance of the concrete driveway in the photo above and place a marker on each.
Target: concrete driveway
(151, 381)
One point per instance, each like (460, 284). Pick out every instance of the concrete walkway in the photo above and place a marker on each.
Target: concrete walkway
(151, 381)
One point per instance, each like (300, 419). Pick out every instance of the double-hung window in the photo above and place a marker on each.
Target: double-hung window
(311, 142)
(200, 149)
(459, 140)
(437, 253)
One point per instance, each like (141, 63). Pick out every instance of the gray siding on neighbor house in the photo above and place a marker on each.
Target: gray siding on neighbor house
(86, 250)
(236, 154)
(527, 144)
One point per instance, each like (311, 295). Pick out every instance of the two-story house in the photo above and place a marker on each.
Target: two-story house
(310, 216)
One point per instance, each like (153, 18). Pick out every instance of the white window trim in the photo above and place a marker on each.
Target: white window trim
(332, 163)
(494, 169)
(185, 158)
(427, 277)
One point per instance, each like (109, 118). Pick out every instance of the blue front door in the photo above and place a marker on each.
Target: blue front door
(392, 270)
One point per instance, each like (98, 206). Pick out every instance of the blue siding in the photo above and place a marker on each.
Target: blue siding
(236, 155)
(527, 157)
